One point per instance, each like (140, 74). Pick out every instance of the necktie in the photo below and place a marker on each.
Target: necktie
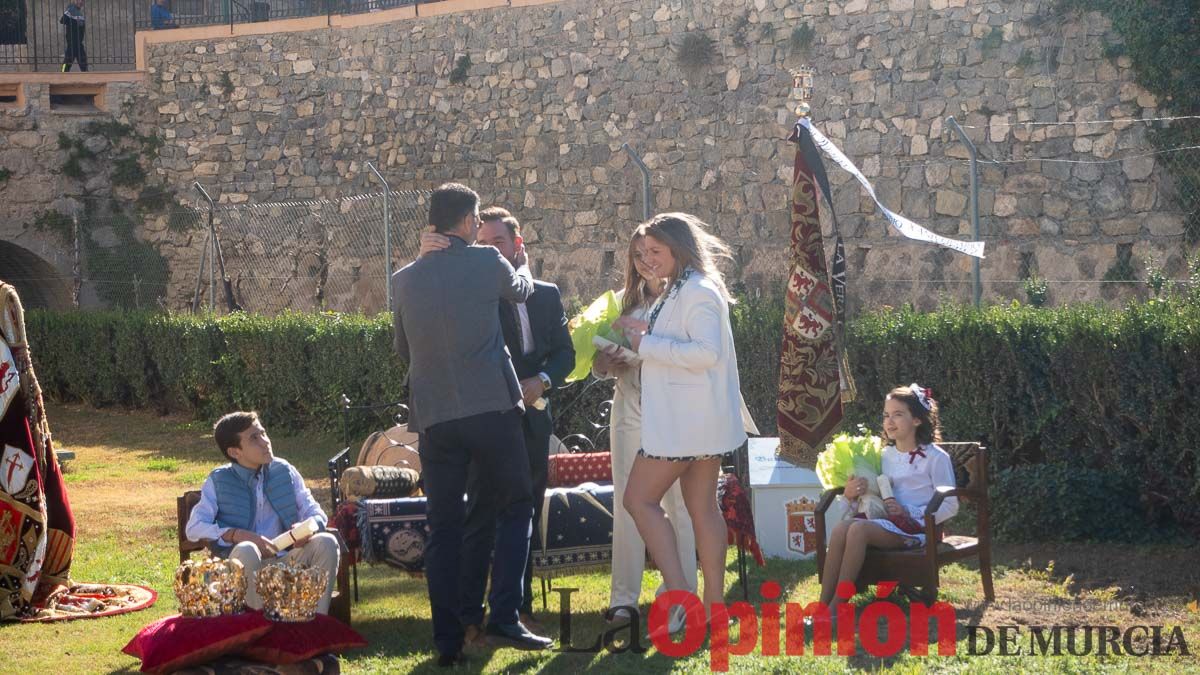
(912, 456)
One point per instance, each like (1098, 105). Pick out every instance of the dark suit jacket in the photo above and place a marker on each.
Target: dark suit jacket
(553, 353)
(446, 313)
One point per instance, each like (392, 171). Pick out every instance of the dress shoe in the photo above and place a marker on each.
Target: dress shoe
(451, 660)
(531, 623)
(516, 636)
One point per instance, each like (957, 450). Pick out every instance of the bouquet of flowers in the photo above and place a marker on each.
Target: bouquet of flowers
(847, 457)
(594, 321)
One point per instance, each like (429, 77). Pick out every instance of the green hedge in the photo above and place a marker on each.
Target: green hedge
(1109, 389)
(292, 368)
(1064, 502)
(1114, 390)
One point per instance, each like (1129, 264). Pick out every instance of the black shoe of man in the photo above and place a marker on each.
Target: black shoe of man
(516, 636)
(451, 660)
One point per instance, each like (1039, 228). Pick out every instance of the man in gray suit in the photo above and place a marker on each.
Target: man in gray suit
(465, 404)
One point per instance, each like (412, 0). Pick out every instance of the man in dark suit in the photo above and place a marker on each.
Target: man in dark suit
(465, 402)
(539, 343)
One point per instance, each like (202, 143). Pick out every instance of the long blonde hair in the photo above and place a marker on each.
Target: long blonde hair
(691, 245)
(637, 291)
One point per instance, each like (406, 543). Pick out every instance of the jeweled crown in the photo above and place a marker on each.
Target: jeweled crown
(210, 587)
(291, 592)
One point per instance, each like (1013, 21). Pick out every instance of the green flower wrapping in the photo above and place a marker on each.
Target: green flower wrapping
(846, 456)
(594, 321)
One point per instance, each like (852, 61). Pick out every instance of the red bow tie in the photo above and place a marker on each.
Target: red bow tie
(912, 456)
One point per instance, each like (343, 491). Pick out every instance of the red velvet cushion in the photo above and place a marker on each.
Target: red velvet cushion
(292, 642)
(176, 641)
(569, 470)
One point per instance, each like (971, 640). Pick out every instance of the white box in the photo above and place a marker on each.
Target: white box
(784, 497)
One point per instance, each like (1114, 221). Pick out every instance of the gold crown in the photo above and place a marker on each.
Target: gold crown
(801, 505)
(210, 587)
(291, 592)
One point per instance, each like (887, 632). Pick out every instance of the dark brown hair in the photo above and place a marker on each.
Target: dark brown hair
(449, 204)
(930, 428)
(226, 430)
(505, 217)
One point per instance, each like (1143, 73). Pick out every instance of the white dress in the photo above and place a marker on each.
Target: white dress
(915, 480)
(628, 550)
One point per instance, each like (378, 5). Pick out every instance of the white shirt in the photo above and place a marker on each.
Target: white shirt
(526, 329)
(915, 483)
(203, 522)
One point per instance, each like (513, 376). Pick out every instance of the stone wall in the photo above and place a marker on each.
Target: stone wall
(553, 91)
(33, 158)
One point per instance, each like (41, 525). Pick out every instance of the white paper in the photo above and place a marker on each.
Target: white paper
(627, 354)
(885, 487)
(299, 531)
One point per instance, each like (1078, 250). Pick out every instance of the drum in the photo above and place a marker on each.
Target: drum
(395, 447)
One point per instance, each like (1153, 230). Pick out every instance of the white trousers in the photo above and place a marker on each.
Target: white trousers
(628, 549)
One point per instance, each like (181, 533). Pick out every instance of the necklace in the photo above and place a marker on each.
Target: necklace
(662, 299)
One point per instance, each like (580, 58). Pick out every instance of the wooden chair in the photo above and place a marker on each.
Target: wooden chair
(917, 570)
(339, 604)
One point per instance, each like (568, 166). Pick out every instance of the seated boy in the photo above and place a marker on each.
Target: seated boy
(255, 498)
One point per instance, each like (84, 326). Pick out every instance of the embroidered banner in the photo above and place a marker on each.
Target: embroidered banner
(809, 404)
(37, 529)
(905, 226)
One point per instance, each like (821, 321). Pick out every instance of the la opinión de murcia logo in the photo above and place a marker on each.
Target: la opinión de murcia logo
(781, 631)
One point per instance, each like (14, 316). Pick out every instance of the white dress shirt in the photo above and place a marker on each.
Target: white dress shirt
(914, 483)
(526, 329)
(203, 522)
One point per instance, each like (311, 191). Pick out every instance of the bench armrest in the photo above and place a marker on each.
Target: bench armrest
(827, 498)
(940, 496)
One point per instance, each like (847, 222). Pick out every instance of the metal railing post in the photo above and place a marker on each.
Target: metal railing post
(33, 39)
(387, 233)
(212, 237)
(645, 180)
(976, 282)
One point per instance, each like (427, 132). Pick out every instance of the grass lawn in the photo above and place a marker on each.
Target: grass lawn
(130, 466)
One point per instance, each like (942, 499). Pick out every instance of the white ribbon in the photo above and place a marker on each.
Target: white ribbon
(905, 226)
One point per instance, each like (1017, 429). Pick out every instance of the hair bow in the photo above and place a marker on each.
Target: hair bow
(924, 395)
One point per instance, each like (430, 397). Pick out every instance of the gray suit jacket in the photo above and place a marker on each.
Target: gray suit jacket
(446, 313)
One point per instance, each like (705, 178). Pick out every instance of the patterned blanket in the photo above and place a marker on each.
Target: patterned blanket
(576, 527)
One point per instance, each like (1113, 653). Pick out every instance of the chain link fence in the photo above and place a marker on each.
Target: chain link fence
(320, 255)
(1106, 190)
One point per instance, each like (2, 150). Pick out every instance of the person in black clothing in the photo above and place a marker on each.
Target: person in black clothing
(539, 344)
(73, 24)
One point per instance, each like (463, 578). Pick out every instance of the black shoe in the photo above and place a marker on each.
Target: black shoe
(451, 660)
(516, 636)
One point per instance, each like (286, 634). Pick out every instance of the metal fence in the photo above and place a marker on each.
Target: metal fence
(329, 254)
(32, 37)
(307, 255)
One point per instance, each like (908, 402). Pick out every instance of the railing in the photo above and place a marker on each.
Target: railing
(31, 36)
(218, 12)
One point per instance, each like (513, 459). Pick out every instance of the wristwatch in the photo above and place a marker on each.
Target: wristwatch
(546, 381)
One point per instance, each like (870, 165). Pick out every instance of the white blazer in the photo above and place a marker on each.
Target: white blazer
(691, 396)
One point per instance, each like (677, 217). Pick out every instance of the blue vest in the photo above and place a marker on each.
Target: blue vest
(234, 485)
